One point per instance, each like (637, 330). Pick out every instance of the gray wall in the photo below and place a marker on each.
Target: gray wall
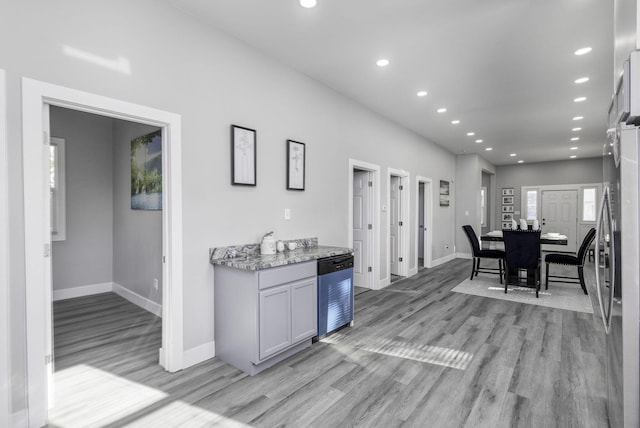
(574, 171)
(137, 234)
(212, 81)
(469, 172)
(85, 257)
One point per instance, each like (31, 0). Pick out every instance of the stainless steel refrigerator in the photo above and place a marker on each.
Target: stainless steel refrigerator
(617, 260)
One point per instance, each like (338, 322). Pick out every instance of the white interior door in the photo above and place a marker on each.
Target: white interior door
(394, 225)
(361, 224)
(560, 214)
(421, 223)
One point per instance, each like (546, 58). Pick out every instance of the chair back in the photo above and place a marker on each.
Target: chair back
(473, 239)
(586, 243)
(522, 248)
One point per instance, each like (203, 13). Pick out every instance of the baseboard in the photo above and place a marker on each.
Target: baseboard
(19, 418)
(413, 271)
(84, 290)
(200, 353)
(137, 299)
(442, 260)
(464, 256)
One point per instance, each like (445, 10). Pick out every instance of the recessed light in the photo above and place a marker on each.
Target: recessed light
(489, 149)
(580, 99)
(583, 51)
(575, 138)
(520, 161)
(455, 122)
(573, 148)
(572, 157)
(512, 155)
(479, 141)
(382, 62)
(576, 129)
(471, 134)
(581, 80)
(308, 3)
(422, 93)
(442, 110)
(578, 118)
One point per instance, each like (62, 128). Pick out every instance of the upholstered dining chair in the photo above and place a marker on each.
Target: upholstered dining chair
(478, 254)
(577, 260)
(522, 251)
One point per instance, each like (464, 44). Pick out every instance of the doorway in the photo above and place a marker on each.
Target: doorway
(424, 222)
(397, 242)
(364, 223)
(36, 99)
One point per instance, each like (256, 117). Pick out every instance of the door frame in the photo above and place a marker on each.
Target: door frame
(5, 372)
(36, 98)
(374, 209)
(403, 266)
(580, 225)
(428, 214)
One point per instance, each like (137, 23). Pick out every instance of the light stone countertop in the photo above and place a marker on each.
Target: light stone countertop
(259, 261)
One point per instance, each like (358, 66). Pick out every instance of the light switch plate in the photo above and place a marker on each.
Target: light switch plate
(287, 213)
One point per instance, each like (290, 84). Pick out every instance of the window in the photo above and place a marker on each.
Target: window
(589, 204)
(532, 204)
(483, 206)
(57, 189)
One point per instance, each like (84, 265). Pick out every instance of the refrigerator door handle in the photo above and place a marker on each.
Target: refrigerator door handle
(605, 311)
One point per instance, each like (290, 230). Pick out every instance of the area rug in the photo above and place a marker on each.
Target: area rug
(561, 296)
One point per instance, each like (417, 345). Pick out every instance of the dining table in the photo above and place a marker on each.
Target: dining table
(550, 238)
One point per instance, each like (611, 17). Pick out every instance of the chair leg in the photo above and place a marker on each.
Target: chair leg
(581, 276)
(500, 269)
(546, 279)
(537, 280)
(478, 267)
(473, 268)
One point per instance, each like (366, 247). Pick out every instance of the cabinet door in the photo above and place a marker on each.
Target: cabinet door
(275, 320)
(304, 309)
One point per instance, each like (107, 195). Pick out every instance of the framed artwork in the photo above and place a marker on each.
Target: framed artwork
(507, 200)
(507, 216)
(296, 153)
(243, 156)
(444, 193)
(146, 172)
(507, 191)
(506, 225)
(507, 208)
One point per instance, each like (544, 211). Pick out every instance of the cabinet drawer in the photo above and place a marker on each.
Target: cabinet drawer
(284, 274)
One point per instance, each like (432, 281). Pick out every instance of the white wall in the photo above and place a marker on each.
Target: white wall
(85, 257)
(137, 239)
(212, 80)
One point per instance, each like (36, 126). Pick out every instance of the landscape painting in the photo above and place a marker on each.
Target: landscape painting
(146, 172)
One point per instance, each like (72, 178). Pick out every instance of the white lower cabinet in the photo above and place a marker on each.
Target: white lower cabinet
(263, 317)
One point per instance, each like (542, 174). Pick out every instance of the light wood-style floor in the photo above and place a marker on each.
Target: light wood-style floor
(419, 355)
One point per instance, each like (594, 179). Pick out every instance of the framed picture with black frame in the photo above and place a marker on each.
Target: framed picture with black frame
(296, 164)
(243, 156)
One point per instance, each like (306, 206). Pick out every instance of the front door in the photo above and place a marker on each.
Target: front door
(560, 214)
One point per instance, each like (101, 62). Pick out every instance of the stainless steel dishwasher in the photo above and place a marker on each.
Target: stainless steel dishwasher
(335, 293)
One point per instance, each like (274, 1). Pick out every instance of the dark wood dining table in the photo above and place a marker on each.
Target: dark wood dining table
(545, 238)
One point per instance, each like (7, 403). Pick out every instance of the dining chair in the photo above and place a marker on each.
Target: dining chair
(478, 254)
(577, 260)
(522, 251)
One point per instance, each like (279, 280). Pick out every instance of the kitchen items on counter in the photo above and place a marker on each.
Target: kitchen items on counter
(268, 244)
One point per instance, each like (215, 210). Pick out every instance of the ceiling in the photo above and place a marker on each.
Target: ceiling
(504, 68)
